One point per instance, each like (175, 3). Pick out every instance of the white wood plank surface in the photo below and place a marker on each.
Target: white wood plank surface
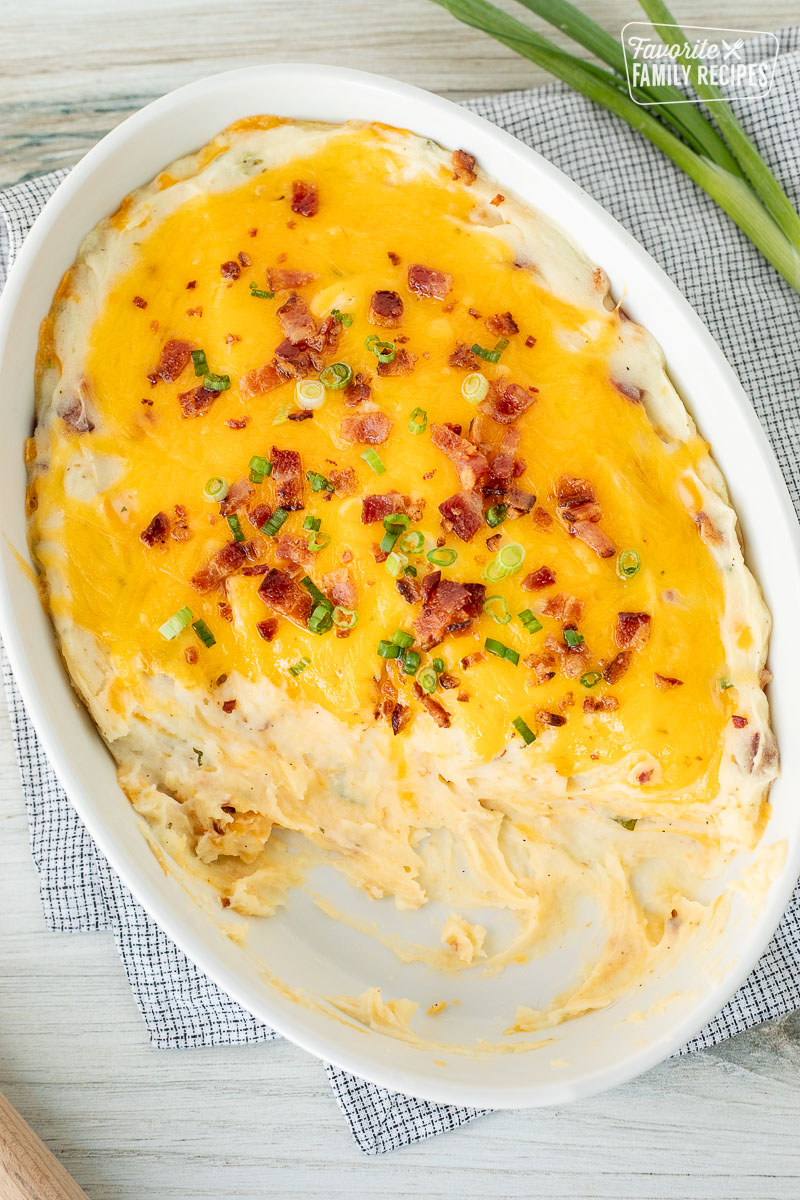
(133, 1123)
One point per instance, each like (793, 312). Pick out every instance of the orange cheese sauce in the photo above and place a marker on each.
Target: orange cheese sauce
(122, 591)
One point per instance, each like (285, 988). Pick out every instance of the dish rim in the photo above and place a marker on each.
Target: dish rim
(202, 954)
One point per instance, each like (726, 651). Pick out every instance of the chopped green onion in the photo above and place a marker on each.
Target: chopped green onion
(413, 542)
(317, 596)
(388, 541)
(320, 619)
(336, 376)
(235, 527)
(312, 523)
(204, 633)
(373, 460)
(496, 515)
(530, 621)
(216, 383)
(502, 651)
(299, 667)
(282, 413)
(509, 560)
(261, 293)
(309, 393)
(444, 557)
(396, 564)
(491, 356)
(475, 387)
(725, 683)
(628, 563)
(402, 639)
(383, 351)
(396, 522)
(427, 680)
(409, 570)
(176, 624)
(591, 679)
(215, 489)
(388, 649)
(318, 541)
(438, 665)
(260, 468)
(344, 319)
(410, 662)
(274, 523)
(573, 638)
(418, 421)
(344, 618)
(199, 361)
(524, 731)
(318, 482)
(496, 608)
(626, 822)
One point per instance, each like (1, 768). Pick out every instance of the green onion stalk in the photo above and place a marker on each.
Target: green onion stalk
(723, 161)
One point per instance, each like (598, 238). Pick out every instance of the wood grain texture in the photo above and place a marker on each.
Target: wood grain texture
(132, 1123)
(28, 1171)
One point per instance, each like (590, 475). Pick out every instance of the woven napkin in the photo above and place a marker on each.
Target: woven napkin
(753, 314)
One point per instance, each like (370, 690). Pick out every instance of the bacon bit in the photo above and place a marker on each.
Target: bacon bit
(303, 414)
(574, 660)
(347, 555)
(739, 722)
(238, 495)
(645, 776)
(197, 402)
(409, 589)
(473, 312)
(139, 302)
(340, 587)
(555, 720)
(267, 629)
(469, 463)
(244, 258)
(297, 361)
(191, 285)
(448, 681)
(571, 492)
(180, 525)
(75, 414)
(344, 481)
(146, 401)
(237, 422)
(228, 706)
(254, 548)
(395, 259)
(541, 578)
(228, 559)
(595, 704)
(464, 167)
(463, 514)
(365, 429)
(614, 670)
(280, 278)
(287, 473)
(296, 320)
(403, 363)
(578, 508)
(425, 281)
(255, 569)
(386, 309)
(463, 359)
(453, 427)
(358, 390)
(191, 655)
(566, 701)
(542, 518)
(260, 515)
(498, 199)
(632, 630)
(294, 549)
(195, 312)
(469, 660)
(305, 198)
(433, 708)
(375, 508)
(285, 595)
(665, 682)
(629, 390)
(505, 402)
(494, 541)
(379, 555)
(230, 338)
(502, 324)
(157, 531)
(230, 269)
(401, 715)
(543, 664)
(519, 502)
(175, 355)
(589, 510)
(563, 607)
(707, 528)
(448, 607)
(530, 341)
(594, 537)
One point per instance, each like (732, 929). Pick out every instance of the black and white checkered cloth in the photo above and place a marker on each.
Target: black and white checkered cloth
(755, 317)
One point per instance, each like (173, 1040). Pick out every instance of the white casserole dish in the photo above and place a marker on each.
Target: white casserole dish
(300, 945)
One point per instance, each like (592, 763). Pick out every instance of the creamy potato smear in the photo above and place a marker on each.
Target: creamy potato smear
(622, 759)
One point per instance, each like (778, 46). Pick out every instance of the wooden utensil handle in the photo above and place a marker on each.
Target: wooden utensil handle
(28, 1171)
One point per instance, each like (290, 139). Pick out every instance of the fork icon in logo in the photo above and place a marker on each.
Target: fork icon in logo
(732, 50)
